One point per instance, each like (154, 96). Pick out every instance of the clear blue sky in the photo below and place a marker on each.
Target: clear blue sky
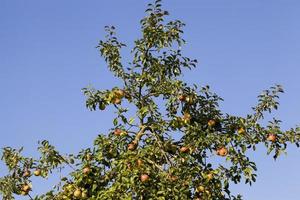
(47, 55)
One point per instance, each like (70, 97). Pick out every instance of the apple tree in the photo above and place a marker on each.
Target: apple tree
(169, 140)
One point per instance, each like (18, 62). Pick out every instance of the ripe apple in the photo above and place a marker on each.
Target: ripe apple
(120, 93)
(184, 149)
(211, 123)
(144, 177)
(182, 98)
(116, 101)
(222, 151)
(117, 132)
(200, 188)
(209, 176)
(186, 117)
(131, 146)
(24, 193)
(271, 137)
(26, 188)
(241, 130)
(173, 178)
(86, 170)
(37, 172)
(139, 162)
(77, 193)
(26, 173)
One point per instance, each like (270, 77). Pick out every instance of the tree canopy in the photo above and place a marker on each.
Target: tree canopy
(169, 139)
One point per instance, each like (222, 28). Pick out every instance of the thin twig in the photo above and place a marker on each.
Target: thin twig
(30, 196)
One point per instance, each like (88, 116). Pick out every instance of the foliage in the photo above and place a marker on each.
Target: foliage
(184, 147)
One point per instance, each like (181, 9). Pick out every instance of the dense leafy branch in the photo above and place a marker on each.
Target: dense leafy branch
(169, 140)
